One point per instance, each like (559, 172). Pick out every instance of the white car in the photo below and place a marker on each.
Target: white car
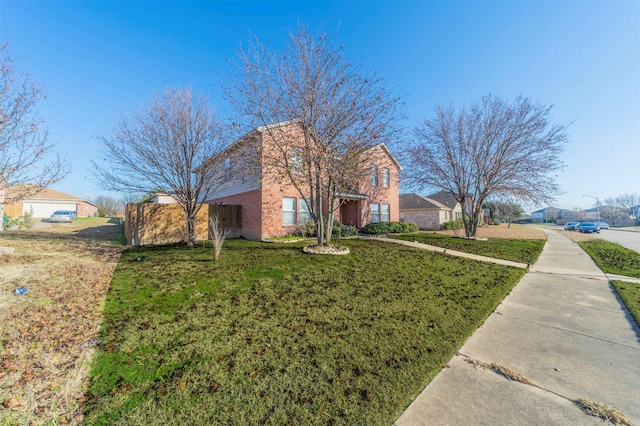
(63, 216)
(602, 225)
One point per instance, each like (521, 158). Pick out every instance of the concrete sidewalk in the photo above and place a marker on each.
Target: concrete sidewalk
(564, 329)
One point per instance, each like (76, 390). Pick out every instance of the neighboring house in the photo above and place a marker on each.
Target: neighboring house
(163, 198)
(272, 206)
(427, 213)
(548, 214)
(47, 201)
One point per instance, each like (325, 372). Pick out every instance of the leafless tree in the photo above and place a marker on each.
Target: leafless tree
(218, 235)
(341, 112)
(28, 162)
(630, 203)
(494, 148)
(108, 206)
(161, 147)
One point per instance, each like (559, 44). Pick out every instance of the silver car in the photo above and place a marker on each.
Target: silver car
(602, 225)
(63, 216)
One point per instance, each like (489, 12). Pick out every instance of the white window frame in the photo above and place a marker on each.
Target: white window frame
(289, 215)
(374, 175)
(385, 217)
(375, 212)
(385, 177)
(304, 207)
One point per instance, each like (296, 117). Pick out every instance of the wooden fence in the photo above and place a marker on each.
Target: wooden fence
(148, 223)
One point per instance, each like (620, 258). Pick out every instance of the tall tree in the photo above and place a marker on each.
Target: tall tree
(504, 210)
(343, 113)
(28, 162)
(494, 148)
(161, 147)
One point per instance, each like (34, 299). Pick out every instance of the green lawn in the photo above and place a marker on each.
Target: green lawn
(524, 251)
(269, 335)
(630, 295)
(612, 258)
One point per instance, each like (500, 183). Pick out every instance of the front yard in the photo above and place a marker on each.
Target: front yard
(269, 335)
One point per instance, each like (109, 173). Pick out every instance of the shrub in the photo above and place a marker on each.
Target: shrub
(389, 228)
(452, 224)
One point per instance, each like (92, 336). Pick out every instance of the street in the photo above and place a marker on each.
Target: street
(628, 239)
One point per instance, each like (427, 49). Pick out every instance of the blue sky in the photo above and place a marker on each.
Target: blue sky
(98, 59)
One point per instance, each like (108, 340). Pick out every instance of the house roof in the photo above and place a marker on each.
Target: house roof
(418, 202)
(43, 194)
(444, 197)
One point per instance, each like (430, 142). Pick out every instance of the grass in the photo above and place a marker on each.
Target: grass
(269, 335)
(605, 412)
(613, 258)
(630, 295)
(524, 251)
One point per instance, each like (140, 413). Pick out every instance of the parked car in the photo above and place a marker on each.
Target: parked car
(63, 216)
(602, 225)
(571, 226)
(588, 227)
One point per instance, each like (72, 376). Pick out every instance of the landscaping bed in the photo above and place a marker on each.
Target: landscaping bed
(270, 335)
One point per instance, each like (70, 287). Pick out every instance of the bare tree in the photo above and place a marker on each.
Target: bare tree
(161, 147)
(339, 112)
(28, 162)
(218, 235)
(108, 206)
(494, 148)
(630, 203)
(610, 210)
(506, 211)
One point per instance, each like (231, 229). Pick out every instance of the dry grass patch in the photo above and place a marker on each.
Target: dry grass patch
(603, 411)
(500, 369)
(47, 336)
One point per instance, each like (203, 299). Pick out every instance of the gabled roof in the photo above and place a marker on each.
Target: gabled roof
(444, 197)
(418, 202)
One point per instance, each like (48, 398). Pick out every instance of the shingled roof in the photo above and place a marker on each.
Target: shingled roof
(418, 202)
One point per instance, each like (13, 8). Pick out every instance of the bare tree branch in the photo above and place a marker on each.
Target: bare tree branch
(28, 162)
(494, 148)
(161, 148)
(341, 114)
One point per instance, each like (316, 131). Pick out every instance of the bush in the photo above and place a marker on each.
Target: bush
(452, 224)
(389, 228)
(340, 231)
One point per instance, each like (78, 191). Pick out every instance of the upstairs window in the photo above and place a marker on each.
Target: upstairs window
(297, 162)
(374, 175)
(385, 177)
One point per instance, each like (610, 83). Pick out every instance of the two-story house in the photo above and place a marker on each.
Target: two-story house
(274, 202)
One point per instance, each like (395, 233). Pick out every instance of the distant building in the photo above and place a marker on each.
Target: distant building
(45, 202)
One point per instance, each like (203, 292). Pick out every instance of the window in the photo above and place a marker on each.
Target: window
(385, 214)
(288, 211)
(374, 175)
(227, 167)
(385, 177)
(296, 160)
(375, 212)
(304, 208)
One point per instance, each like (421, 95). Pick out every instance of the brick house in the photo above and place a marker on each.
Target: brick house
(428, 213)
(271, 204)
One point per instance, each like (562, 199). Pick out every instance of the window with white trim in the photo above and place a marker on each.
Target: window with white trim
(296, 160)
(374, 175)
(304, 206)
(375, 212)
(385, 177)
(288, 211)
(385, 213)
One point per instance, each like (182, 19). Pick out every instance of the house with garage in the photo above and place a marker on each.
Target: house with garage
(429, 213)
(43, 203)
(274, 203)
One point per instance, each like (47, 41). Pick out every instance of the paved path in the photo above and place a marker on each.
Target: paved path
(564, 329)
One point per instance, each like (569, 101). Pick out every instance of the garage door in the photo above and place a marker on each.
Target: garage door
(47, 209)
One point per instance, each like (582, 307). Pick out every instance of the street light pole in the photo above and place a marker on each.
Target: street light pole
(597, 203)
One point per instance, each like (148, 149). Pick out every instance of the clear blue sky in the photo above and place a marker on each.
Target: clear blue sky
(101, 58)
